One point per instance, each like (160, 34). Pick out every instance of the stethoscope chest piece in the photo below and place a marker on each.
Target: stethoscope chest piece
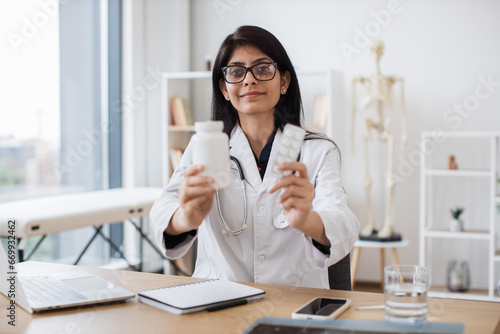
(280, 221)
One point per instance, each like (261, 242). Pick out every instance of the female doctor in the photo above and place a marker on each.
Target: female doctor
(243, 234)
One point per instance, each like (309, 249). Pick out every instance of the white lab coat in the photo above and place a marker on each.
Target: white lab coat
(263, 253)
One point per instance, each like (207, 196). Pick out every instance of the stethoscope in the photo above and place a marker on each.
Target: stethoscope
(279, 221)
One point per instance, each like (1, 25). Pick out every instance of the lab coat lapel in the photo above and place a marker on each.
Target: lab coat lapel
(241, 150)
(270, 178)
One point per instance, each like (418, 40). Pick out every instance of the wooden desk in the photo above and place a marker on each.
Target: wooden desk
(279, 301)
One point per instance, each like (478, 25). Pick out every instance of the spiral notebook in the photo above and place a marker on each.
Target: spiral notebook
(207, 295)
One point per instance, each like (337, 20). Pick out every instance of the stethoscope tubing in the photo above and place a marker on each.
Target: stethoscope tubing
(227, 230)
(238, 166)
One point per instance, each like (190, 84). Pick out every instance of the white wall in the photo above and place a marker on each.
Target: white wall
(155, 40)
(441, 48)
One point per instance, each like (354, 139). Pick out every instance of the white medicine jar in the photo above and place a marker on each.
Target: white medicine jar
(211, 149)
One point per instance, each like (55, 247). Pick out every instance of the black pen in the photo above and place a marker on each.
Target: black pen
(227, 304)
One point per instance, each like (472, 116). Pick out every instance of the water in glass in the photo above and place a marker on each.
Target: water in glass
(406, 293)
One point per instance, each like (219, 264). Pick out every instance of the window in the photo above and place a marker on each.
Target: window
(56, 67)
(30, 126)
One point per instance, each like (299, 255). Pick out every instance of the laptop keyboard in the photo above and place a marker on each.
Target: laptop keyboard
(44, 291)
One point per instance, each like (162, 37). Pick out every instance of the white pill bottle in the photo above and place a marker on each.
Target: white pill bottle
(211, 149)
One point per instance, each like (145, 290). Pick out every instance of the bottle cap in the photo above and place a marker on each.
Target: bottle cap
(209, 126)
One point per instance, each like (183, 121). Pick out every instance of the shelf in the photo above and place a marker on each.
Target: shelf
(191, 84)
(310, 72)
(472, 294)
(447, 172)
(479, 235)
(188, 75)
(181, 128)
(433, 185)
(208, 74)
(460, 134)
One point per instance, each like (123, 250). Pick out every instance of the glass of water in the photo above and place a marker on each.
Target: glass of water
(405, 288)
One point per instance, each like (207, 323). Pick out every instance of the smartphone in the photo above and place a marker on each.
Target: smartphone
(322, 308)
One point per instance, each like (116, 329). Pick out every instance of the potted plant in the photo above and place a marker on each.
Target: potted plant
(456, 222)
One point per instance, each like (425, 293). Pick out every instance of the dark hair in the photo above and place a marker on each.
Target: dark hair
(289, 107)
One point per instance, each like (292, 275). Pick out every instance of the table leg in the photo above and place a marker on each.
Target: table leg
(354, 265)
(382, 265)
(21, 246)
(34, 248)
(96, 233)
(141, 247)
(148, 240)
(394, 255)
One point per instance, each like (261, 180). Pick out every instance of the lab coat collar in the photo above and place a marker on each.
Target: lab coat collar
(270, 178)
(241, 150)
(239, 147)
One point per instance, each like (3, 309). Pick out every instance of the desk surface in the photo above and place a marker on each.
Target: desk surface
(279, 301)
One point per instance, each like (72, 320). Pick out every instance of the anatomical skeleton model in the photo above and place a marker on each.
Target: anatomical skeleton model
(376, 92)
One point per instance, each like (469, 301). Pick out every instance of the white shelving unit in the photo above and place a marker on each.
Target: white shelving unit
(196, 87)
(488, 173)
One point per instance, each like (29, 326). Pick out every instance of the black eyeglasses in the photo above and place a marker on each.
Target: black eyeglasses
(262, 72)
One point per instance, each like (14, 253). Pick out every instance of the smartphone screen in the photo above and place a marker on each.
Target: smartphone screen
(322, 306)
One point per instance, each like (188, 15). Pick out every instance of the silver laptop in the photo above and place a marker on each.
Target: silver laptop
(55, 291)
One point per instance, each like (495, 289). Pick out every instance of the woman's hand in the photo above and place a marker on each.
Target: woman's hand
(296, 200)
(196, 196)
(297, 194)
